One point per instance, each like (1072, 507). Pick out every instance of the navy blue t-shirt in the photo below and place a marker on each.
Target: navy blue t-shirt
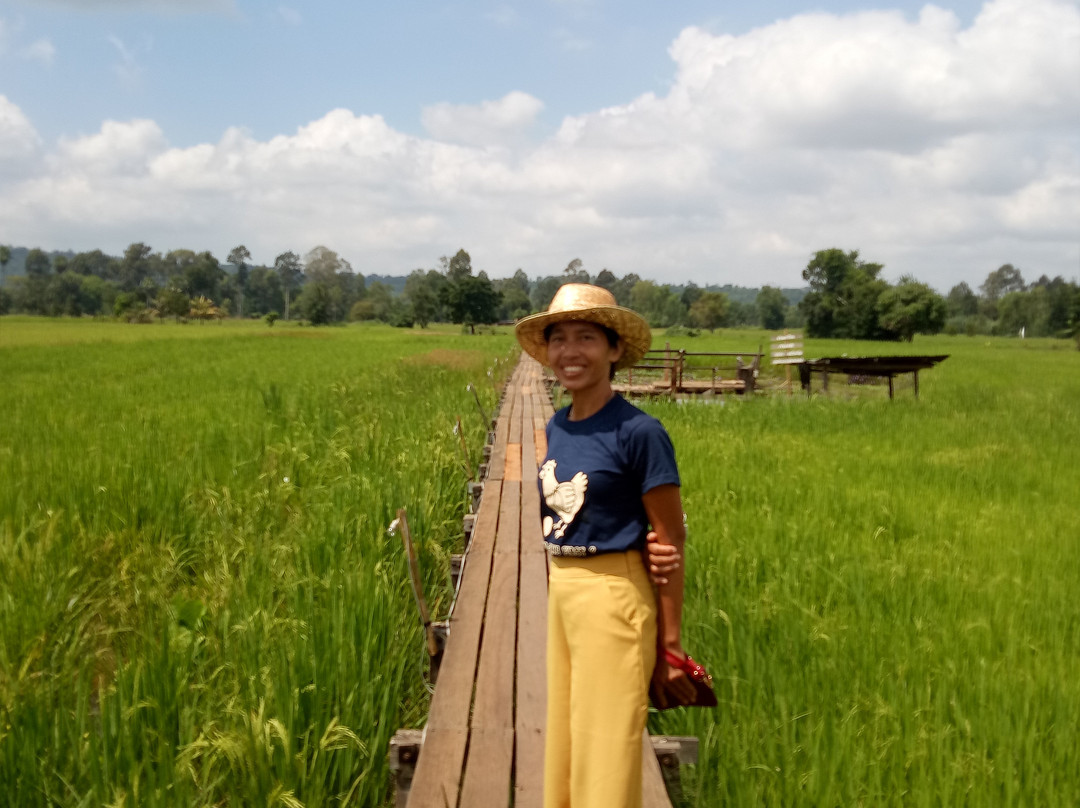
(593, 477)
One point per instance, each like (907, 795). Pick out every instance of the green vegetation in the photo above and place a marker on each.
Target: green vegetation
(201, 604)
(845, 298)
(883, 590)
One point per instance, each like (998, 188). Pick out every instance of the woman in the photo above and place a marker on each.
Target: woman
(609, 476)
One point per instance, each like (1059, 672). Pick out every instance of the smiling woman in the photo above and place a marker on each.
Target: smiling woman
(609, 486)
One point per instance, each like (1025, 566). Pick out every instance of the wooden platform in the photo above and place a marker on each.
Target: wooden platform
(876, 366)
(483, 746)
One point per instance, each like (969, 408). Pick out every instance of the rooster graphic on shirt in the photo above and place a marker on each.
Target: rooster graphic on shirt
(565, 498)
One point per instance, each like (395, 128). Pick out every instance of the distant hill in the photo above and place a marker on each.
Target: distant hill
(16, 267)
(745, 294)
(395, 282)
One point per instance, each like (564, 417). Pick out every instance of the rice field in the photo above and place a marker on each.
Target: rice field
(200, 603)
(885, 590)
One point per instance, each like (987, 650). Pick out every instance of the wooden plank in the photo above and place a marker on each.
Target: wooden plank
(439, 773)
(531, 647)
(512, 463)
(529, 769)
(438, 770)
(487, 772)
(490, 756)
(497, 463)
(653, 791)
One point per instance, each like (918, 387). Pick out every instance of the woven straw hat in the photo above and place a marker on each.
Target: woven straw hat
(590, 304)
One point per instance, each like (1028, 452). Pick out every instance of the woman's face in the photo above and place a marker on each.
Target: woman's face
(580, 355)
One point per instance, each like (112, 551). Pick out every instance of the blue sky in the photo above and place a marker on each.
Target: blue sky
(716, 142)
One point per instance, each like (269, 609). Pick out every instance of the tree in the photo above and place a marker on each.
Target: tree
(1059, 294)
(378, 304)
(5, 256)
(961, 301)
(66, 295)
(202, 309)
(135, 266)
(771, 308)
(575, 272)
(911, 308)
(1001, 281)
(37, 269)
(843, 297)
(201, 276)
(709, 310)
(289, 270)
(691, 294)
(173, 302)
(94, 263)
(514, 296)
(459, 267)
(263, 293)
(331, 289)
(238, 257)
(1024, 313)
(606, 278)
(543, 290)
(37, 264)
(657, 304)
(514, 291)
(1074, 315)
(316, 303)
(422, 292)
(473, 300)
(623, 287)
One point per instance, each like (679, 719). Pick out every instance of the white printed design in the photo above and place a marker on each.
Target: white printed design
(564, 498)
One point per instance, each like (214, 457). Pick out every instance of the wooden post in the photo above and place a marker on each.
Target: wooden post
(405, 749)
(915, 374)
(417, 583)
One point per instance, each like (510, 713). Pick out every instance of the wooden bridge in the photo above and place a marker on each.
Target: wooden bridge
(483, 746)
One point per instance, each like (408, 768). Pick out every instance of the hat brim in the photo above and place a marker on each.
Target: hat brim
(631, 327)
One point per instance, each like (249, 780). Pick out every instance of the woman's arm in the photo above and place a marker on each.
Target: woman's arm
(663, 506)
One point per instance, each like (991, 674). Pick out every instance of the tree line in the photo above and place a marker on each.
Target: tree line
(845, 298)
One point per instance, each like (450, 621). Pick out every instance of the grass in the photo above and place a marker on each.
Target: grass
(884, 589)
(202, 604)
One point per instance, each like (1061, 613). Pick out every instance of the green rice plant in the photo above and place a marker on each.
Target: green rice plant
(883, 590)
(202, 605)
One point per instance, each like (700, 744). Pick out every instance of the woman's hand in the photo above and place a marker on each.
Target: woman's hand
(671, 686)
(660, 559)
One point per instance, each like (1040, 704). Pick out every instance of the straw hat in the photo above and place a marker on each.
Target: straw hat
(591, 304)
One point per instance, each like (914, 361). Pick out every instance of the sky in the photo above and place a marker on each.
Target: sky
(691, 141)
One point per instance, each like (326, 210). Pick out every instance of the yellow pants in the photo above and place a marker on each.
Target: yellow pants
(601, 647)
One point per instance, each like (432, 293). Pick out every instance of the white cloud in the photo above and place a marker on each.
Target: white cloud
(488, 123)
(939, 150)
(19, 141)
(119, 149)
